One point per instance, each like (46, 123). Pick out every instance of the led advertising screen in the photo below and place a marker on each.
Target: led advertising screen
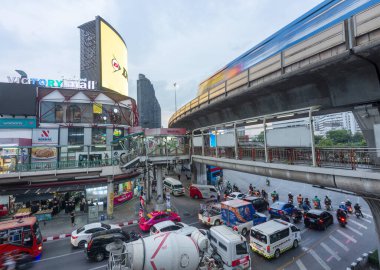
(113, 59)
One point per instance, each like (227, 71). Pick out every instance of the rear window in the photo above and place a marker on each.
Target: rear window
(259, 236)
(80, 230)
(314, 216)
(106, 226)
(177, 186)
(241, 248)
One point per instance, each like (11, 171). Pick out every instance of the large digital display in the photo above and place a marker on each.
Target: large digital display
(113, 60)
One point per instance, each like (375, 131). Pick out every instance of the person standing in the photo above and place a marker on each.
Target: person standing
(72, 216)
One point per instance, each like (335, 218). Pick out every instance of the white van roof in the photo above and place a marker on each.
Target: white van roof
(271, 226)
(226, 233)
(173, 181)
(203, 186)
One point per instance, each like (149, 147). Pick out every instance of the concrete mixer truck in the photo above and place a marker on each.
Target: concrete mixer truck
(219, 248)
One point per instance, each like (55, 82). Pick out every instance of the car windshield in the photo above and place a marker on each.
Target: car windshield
(177, 186)
(105, 226)
(259, 236)
(241, 248)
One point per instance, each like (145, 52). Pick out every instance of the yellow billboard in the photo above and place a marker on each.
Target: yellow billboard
(113, 59)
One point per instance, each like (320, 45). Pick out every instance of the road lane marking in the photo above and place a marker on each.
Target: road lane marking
(354, 230)
(336, 241)
(367, 220)
(347, 236)
(60, 256)
(329, 250)
(367, 215)
(301, 265)
(304, 230)
(319, 260)
(360, 225)
(98, 267)
(197, 222)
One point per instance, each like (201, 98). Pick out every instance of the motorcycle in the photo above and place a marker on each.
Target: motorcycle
(342, 221)
(358, 214)
(317, 204)
(268, 182)
(328, 207)
(349, 209)
(297, 215)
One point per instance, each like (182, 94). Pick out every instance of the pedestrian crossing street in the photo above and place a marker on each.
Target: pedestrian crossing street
(328, 253)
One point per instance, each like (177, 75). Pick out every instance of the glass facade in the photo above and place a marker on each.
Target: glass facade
(75, 136)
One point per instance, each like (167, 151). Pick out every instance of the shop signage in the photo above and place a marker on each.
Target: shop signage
(165, 131)
(17, 123)
(122, 198)
(66, 83)
(45, 136)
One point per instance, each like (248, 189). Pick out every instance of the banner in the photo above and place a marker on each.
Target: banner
(97, 108)
(45, 136)
(17, 123)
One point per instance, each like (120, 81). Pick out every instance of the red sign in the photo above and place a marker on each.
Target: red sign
(122, 198)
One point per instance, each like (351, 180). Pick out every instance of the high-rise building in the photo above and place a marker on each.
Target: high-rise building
(147, 103)
(344, 120)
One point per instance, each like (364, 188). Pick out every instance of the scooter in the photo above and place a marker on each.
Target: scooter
(317, 205)
(349, 209)
(328, 207)
(342, 221)
(358, 214)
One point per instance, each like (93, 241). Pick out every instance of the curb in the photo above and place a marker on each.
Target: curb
(66, 235)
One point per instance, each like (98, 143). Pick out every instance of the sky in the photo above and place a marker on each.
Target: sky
(171, 41)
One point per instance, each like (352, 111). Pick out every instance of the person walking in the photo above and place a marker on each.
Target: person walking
(72, 216)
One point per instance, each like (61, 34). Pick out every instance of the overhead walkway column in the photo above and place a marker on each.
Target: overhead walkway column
(374, 205)
(110, 197)
(160, 204)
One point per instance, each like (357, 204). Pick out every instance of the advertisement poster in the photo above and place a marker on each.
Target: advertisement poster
(44, 154)
(45, 136)
(123, 198)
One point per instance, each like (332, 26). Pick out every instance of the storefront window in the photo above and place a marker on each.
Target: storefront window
(76, 136)
(117, 134)
(58, 114)
(73, 114)
(99, 135)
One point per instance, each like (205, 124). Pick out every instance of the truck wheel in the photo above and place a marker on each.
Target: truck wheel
(277, 253)
(244, 232)
(217, 222)
(295, 244)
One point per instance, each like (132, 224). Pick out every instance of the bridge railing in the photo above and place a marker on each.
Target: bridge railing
(348, 158)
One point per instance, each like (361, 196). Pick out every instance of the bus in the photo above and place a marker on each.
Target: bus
(21, 236)
(213, 175)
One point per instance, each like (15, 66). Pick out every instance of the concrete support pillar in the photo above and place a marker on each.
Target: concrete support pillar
(374, 205)
(201, 174)
(236, 142)
(110, 196)
(216, 143)
(203, 144)
(265, 140)
(159, 185)
(368, 118)
(312, 137)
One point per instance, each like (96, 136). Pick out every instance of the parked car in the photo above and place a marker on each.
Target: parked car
(236, 195)
(155, 217)
(82, 236)
(96, 248)
(318, 219)
(259, 204)
(279, 209)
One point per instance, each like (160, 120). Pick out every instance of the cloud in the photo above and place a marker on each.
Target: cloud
(168, 41)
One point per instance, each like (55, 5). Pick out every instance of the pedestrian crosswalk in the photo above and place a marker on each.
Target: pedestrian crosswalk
(334, 247)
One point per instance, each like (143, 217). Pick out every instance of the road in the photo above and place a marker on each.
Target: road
(334, 248)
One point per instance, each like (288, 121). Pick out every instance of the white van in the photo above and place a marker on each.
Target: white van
(203, 192)
(231, 247)
(273, 237)
(174, 186)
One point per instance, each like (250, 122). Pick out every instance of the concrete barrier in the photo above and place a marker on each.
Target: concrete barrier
(361, 263)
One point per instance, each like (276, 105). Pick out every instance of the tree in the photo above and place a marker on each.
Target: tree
(317, 139)
(259, 138)
(340, 136)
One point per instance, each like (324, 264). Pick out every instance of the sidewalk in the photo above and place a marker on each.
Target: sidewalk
(61, 223)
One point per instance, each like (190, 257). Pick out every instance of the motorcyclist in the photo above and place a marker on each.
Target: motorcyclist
(268, 182)
(340, 213)
(327, 203)
(250, 189)
(317, 202)
(306, 204)
(228, 187)
(358, 209)
(274, 195)
(257, 193)
(235, 188)
(299, 200)
(348, 203)
(290, 197)
(264, 194)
